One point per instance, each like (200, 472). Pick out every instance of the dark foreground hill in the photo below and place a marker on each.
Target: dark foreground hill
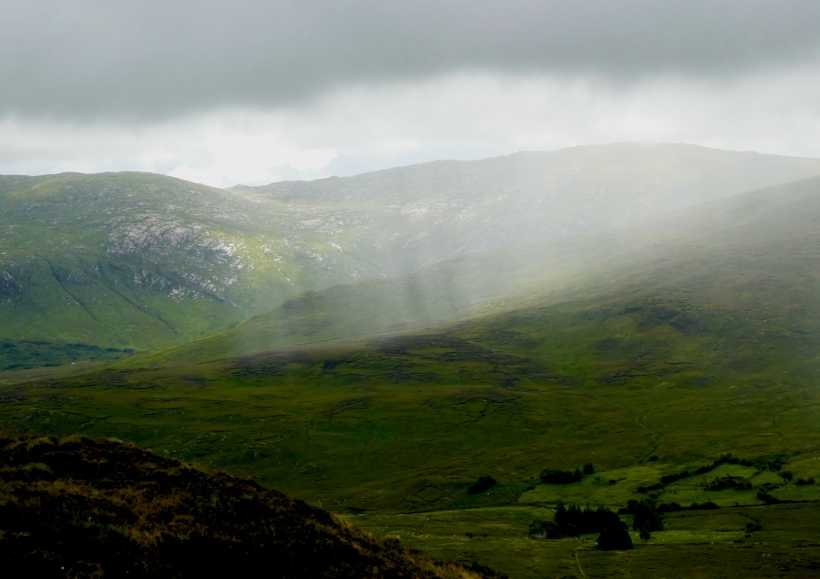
(78, 507)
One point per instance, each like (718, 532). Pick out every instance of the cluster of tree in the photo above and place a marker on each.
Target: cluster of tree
(484, 483)
(804, 481)
(562, 477)
(573, 521)
(646, 517)
(614, 537)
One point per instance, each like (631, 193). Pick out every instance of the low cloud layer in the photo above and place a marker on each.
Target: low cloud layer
(466, 116)
(104, 58)
(254, 91)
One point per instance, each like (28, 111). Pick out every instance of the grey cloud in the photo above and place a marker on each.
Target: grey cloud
(117, 59)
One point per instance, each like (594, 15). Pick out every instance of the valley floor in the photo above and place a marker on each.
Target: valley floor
(398, 460)
(703, 543)
(663, 394)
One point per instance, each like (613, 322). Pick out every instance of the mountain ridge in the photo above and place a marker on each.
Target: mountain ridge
(535, 152)
(143, 261)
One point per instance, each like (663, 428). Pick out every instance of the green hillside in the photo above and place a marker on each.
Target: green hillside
(652, 368)
(124, 261)
(433, 296)
(142, 261)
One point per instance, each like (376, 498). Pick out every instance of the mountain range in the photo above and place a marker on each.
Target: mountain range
(95, 266)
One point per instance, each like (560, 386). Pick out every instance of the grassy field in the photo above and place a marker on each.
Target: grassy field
(393, 431)
(693, 544)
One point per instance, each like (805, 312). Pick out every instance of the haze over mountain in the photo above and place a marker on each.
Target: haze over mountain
(680, 364)
(756, 229)
(138, 261)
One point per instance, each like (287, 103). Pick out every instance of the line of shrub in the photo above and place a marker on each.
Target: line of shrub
(562, 477)
(774, 463)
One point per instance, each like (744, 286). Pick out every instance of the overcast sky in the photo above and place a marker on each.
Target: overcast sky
(254, 91)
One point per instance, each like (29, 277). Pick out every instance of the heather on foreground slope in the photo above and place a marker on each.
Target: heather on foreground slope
(78, 507)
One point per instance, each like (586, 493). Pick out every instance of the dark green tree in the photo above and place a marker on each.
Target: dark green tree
(645, 516)
(484, 483)
(614, 536)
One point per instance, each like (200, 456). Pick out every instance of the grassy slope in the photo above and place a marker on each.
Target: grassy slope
(70, 277)
(434, 296)
(708, 345)
(134, 260)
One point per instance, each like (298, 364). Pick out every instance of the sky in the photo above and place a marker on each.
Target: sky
(256, 91)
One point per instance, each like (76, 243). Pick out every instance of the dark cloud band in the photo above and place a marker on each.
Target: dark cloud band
(111, 58)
